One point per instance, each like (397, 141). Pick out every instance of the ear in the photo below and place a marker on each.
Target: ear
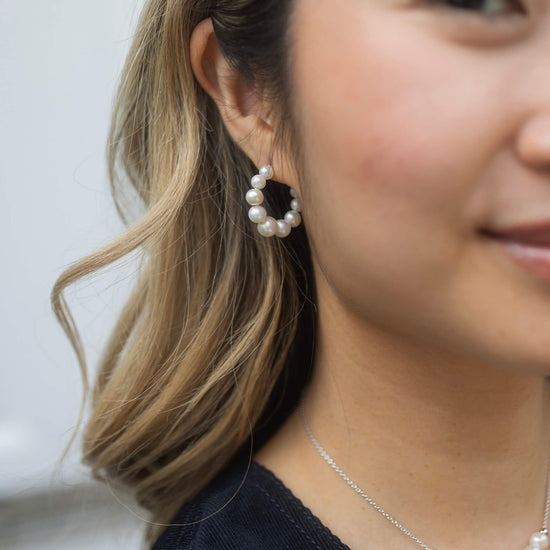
(243, 111)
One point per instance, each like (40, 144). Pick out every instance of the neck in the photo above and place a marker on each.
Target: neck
(448, 443)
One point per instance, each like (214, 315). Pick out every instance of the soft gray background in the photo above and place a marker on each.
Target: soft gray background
(59, 64)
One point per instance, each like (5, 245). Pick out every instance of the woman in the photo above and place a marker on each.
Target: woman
(383, 358)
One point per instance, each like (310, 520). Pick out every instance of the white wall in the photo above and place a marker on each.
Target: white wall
(59, 63)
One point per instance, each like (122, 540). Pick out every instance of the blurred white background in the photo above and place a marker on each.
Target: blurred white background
(59, 65)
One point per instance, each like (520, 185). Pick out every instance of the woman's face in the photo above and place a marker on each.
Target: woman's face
(423, 124)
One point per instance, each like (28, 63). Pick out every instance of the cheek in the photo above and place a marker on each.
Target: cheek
(387, 131)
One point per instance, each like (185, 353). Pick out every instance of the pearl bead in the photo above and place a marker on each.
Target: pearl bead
(257, 214)
(254, 197)
(266, 172)
(296, 204)
(283, 229)
(293, 218)
(258, 182)
(269, 227)
(531, 548)
(539, 540)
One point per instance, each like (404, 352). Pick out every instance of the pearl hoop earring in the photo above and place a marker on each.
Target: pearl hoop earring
(267, 225)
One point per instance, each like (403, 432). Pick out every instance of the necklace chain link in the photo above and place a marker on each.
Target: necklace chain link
(376, 506)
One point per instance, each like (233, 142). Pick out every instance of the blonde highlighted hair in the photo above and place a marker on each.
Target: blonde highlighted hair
(216, 339)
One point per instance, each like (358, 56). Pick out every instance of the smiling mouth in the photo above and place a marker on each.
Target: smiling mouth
(530, 250)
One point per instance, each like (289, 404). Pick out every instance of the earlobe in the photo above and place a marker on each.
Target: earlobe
(240, 108)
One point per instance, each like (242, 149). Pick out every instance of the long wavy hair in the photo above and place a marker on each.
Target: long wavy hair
(215, 343)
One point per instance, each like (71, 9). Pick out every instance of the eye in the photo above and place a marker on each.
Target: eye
(487, 8)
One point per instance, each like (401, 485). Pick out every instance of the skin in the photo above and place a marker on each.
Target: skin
(422, 124)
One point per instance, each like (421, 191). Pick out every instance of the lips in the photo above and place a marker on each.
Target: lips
(527, 245)
(538, 235)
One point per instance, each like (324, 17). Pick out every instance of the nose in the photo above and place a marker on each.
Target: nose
(533, 144)
(533, 140)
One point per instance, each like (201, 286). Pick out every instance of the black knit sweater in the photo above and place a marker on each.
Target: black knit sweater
(262, 515)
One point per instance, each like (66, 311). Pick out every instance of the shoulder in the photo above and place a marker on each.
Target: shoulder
(246, 507)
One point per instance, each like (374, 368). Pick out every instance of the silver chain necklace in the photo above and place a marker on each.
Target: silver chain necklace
(538, 540)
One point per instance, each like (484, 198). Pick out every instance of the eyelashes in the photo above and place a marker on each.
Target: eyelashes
(489, 9)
